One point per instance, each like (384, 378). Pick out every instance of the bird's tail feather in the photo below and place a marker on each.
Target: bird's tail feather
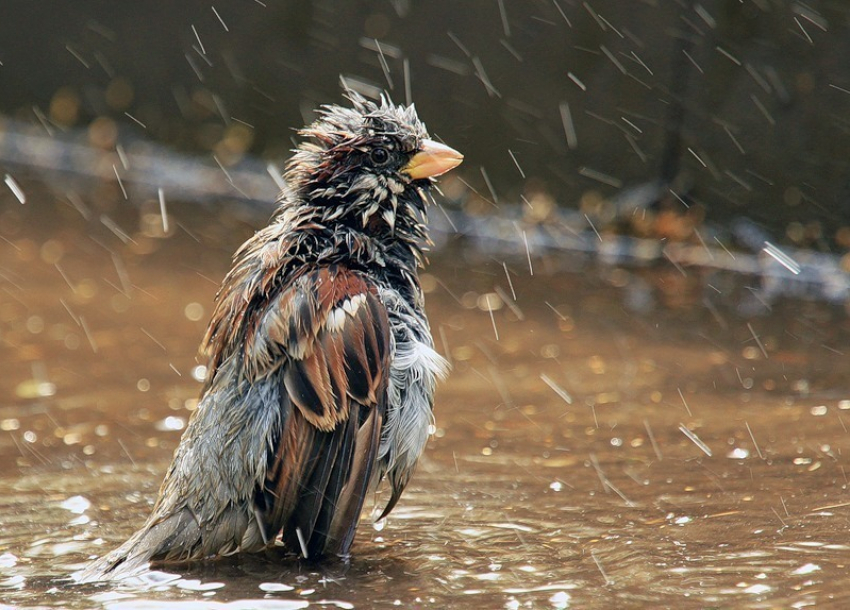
(177, 537)
(332, 487)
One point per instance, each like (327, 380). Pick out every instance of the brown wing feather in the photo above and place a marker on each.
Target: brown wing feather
(335, 331)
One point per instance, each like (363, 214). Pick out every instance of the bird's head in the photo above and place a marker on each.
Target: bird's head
(368, 164)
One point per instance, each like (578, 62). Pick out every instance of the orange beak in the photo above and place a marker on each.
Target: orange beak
(433, 159)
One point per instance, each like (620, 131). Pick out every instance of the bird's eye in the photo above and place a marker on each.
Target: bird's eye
(379, 156)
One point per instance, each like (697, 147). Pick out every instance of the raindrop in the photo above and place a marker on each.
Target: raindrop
(16, 190)
(194, 311)
(171, 423)
(10, 424)
(8, 560)
(76, 504)
(275, 587)
(757, 589)
(15, 582)
(560, 600)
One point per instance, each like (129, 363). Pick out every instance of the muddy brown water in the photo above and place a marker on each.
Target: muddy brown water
(585, 454)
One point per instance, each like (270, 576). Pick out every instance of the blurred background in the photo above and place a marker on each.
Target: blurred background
(640, 277)
(739, 107)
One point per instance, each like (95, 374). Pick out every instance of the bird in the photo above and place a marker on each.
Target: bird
(321, 364)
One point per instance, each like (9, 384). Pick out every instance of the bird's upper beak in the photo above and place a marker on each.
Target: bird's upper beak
(431, 160)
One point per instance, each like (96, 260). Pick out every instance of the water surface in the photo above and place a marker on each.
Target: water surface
(607, 436)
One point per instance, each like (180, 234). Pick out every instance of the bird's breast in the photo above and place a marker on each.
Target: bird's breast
(415, 368)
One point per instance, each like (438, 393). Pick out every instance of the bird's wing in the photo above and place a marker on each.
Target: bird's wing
(332, 331)
(286, 434)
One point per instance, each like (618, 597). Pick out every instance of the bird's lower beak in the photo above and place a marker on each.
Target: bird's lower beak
(431, 160)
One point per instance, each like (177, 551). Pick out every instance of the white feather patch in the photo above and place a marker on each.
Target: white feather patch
(336, 319)
(395, 186)
(422, 359)
(353, 304)
(389, 218)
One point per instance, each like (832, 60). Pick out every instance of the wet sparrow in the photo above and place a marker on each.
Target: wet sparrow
(321, 362)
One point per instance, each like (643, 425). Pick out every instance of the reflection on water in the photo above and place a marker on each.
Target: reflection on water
(588, 451)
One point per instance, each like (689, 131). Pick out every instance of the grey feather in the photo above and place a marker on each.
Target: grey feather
(209, 510)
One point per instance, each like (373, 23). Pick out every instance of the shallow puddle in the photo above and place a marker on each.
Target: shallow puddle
(607, 436)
